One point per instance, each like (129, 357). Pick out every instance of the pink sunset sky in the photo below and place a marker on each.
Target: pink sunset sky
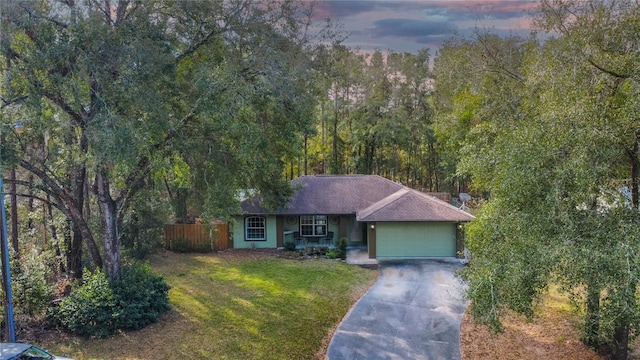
(411, 25)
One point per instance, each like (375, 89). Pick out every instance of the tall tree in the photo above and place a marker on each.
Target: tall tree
(558, 166)
(478, 92)
(117, 92)
(601, 37)
(414, 149)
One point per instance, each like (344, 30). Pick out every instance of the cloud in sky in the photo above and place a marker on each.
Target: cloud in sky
(413, 25)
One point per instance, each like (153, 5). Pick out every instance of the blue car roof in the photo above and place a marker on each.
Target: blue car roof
(9, 350)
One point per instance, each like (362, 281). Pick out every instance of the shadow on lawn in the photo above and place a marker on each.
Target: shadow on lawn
(234, 305)
(264, 303)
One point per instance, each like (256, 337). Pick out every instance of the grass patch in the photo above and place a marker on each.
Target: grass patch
(236, 306)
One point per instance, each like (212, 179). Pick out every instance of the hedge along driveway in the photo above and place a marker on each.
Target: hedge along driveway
(237, 305)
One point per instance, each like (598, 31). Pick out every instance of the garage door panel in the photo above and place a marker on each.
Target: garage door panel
(414, 239)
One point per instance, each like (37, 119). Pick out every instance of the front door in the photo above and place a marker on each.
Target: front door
(358, 233)
(371, 244)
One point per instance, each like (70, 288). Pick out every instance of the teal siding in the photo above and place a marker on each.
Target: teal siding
(292, 223)
(415, 239)
(239, 241)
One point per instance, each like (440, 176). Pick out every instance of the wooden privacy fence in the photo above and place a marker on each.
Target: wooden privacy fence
(196, 237)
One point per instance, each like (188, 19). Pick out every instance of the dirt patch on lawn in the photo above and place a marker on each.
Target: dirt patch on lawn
(551, 335)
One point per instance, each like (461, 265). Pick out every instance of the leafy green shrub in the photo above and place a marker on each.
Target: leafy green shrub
(184, 246)
(331, 254)
(31, 293)
(99, 307)
(90, 309)
(141, 295)
(342, 248)
(290, 246)
(180, 245)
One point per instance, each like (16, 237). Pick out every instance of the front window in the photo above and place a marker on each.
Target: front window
(254, 228)
(313, 225)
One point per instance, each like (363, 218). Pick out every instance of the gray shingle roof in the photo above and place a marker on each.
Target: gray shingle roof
(371, 197)
(411, 205)
(338, 194)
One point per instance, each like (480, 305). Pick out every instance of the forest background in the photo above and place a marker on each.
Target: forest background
(130, 106)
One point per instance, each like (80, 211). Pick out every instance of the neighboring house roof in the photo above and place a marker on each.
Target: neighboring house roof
(411, 205)
(370, 197)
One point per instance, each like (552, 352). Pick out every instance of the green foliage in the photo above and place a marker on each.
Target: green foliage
(290, 245)
(90, 309)
(546, 131)
(375, 119)
(331, 254)
(98, 307)
(509, 266)
(341, 251)
(142, 228)
(184, 246)
(31, 293)
(142, 297)
(261, 304)
(185, 110)
(180, 245)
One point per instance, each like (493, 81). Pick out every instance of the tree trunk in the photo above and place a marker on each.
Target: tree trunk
(69, 208)
(592, 338)
(74, 251)
(306, 156)
(635, 170)
(108, 212)
(621, 332)
(180, 206)
(14, 212)
(44, 225)
(67, 242)
(30, 202)
(335, 167)
(621, 343)
(54, 235)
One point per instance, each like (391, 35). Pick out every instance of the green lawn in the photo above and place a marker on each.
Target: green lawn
(237, 305)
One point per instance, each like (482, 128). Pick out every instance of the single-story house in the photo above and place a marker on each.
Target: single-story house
(391, 220)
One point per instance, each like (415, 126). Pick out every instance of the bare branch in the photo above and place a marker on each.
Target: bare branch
(37, 16)
(7, 102)
(608, 71)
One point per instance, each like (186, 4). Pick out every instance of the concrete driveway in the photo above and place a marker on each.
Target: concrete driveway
(413, 311)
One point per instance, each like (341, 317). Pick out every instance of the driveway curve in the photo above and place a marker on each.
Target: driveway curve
(413, 311)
